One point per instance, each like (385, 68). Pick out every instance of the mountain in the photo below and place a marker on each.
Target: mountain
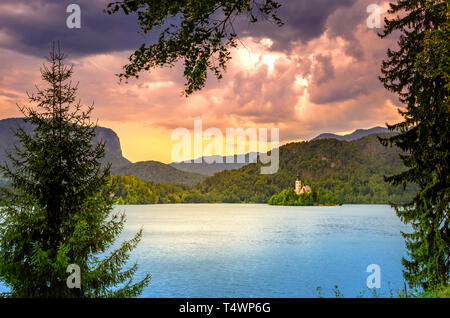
(149, 170)
(357, 134)
(353, 172)
(208, 167)
(212, 164)
(113, 151)
(350, 172)
(157, 172)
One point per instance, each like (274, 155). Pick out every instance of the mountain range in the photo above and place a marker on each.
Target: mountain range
(152, 171)
(351, 170)
(182, 173)
(211, 165)
(357, 134)
(201, 165)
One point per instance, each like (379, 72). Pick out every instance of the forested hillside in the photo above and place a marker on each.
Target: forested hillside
(133, 190)
(351, 171)
(158, 172)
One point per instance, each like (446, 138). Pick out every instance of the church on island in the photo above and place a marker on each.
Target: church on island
(299, 188)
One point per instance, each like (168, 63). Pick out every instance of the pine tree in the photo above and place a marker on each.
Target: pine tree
(59, 209)
(419, 73)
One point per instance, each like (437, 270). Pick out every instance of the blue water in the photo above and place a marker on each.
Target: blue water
(239, 250)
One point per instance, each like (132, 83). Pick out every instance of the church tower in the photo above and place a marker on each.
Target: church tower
(298, 186)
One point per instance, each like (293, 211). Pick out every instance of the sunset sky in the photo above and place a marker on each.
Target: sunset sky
(318, 73)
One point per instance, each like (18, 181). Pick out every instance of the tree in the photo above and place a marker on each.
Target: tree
(59, 209)
(419, 73)
(199, 32)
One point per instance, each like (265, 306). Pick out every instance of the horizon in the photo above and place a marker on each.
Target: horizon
(124, 155)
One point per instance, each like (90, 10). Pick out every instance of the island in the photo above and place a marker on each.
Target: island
(304, 195)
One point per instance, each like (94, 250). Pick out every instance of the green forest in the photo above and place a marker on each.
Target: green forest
(315, 197)
(351, 172)
(130, 189)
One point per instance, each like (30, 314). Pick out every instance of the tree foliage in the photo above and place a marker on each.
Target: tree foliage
(198, 32)
(351, 171)
(132, 190)
(418, 71)
(58, 208)
(317, 196)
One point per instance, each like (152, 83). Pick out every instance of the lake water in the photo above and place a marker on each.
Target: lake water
(239, 250)
(252, 250)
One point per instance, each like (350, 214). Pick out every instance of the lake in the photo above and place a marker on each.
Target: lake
(256, 250)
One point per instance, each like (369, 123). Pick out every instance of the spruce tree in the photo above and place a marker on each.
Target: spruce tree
(59, 209)
(418, 71)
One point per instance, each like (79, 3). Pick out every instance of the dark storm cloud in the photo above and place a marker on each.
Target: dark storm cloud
(303, 20)
(31, 26)
(342, 23)
(324, 70)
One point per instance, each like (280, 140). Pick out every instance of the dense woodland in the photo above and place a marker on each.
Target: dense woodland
(317, 196)
(351, 171)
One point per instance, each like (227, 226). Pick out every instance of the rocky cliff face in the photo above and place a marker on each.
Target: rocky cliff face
(149, 171)
(113, 151)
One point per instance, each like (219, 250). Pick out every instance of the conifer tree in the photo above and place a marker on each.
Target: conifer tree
(59, 209)
(418, 71)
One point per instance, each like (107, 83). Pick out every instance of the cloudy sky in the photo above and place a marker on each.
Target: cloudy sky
(318, 73)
